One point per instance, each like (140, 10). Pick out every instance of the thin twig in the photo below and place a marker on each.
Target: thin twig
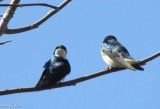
(38, 23)
(7, 16)
(30, 4)
(1, 43)
(74, 81)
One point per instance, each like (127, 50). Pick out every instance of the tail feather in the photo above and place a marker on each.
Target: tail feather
(38, 85)
(138, 67)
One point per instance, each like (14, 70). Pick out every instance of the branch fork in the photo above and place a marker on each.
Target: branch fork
(12, 8)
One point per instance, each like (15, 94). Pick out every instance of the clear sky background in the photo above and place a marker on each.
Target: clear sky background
(81, 26)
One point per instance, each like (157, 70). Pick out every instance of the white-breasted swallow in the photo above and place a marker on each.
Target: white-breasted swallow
(116, 55)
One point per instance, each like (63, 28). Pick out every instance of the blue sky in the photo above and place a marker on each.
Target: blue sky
(81, 26)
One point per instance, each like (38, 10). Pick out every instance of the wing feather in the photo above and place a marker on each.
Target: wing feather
(118, 58)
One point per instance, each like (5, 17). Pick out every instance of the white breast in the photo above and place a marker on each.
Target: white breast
(109, 61)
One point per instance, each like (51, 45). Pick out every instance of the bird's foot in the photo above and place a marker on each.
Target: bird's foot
(108, 68)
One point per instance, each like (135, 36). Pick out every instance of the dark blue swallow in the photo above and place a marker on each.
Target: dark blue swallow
(55, 69)
(116, 55)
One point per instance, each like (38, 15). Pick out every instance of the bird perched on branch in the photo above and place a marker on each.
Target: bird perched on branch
(55, 69)
(116, 55)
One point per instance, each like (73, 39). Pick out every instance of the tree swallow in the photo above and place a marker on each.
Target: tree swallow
(56, 68)
(116, 55)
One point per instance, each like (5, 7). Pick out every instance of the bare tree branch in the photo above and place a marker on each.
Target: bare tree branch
(144, 61)
(38, 23)
(1, 43)
(7, 17)
(11, 9)
(30, 4)
(75, 81)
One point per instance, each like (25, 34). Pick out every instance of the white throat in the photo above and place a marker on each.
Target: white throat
(60, 53)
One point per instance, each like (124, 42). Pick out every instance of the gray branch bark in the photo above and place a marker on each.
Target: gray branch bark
(1, 43)
(7, 17)
(30, 4)
(12, 7)
(75, 81)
